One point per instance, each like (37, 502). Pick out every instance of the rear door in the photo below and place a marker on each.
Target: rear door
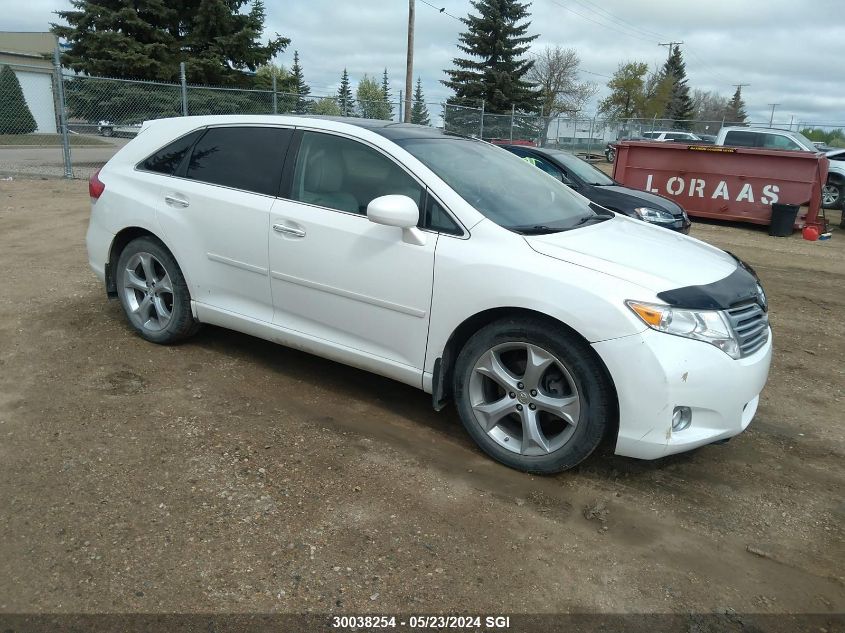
(215, 215)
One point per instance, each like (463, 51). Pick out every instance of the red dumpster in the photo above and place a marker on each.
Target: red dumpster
(730, 183)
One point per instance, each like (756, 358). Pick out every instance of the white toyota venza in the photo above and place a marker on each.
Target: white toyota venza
(442, 262)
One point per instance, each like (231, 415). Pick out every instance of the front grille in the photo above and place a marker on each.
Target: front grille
(750, 322)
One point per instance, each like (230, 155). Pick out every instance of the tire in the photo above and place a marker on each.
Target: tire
(610, 155)
(832, 195)
(107, 132)
(567, 395)
(153, 292)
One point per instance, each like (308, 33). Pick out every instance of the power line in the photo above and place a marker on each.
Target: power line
(604, 13)
(441, 10)
(607, 26)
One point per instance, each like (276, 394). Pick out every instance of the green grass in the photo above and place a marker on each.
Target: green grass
(48, 140)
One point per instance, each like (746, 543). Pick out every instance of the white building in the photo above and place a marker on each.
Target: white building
(30, 56)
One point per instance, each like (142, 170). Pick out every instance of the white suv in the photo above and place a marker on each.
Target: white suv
(671, 136)
(442, 262)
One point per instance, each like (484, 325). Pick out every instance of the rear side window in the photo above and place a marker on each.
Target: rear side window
(743, 139)
(247, 158)
(167, 159)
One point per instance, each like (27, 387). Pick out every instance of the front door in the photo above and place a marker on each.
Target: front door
(337, 276)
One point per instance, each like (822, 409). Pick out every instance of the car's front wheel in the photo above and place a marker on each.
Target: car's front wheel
(533, 397)
(153, 292)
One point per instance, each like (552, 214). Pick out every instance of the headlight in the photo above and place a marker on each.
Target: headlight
(654, 215)
(710, 326)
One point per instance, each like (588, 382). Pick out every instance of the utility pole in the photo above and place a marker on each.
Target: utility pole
(772, 118)
(409, 66)
(670, 45)
(740, 87)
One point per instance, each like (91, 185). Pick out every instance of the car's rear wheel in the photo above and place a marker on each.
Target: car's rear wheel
(153, 292)
(533, 397)
(832, 196)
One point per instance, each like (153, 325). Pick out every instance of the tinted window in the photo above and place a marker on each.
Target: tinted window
(582, 169)
(339, 173)
(167, 159)
(248, 158)
(742, 139)
(437, 219)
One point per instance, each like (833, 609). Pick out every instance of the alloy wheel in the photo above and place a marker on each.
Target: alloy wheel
(148, 292)
(830, 195)
(524, 398)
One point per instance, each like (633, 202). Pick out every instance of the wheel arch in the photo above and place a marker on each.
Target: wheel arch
(444, 365)
(121, 239)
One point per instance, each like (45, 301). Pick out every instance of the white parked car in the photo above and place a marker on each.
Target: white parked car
(442, 262)
(664, 136)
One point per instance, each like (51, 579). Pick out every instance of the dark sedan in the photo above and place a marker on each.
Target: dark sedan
(600, 188)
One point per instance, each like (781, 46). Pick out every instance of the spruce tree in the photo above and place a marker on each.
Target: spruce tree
(15, 115)
(680, 106)
(344, 96)
(302, 89)
(419, 111)
(495, 42)
(385, 88)
(148, 39)
(736, 108)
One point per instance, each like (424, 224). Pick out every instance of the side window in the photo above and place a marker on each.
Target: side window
(546, 166)
(437, 219)
(339, 173)
(776, 141)
(248, 158)
(742, 139)
(650, 135)
(167, 159)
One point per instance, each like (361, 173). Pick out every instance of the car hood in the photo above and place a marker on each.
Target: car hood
(635, 251)
(627, 199)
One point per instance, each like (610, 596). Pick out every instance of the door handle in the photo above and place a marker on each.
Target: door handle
(175, 201)
(288, 230)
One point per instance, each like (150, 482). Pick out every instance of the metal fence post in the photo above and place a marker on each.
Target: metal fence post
(481, 132)
(590, 139)
(400, 107)
(557, 133)
(60, 98)
(513, 111)
(275, 100)
(184, 85)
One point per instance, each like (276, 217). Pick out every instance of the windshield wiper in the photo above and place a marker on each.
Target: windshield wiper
(537, 229)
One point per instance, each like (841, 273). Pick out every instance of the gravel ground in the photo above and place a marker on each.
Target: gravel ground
(228, 474)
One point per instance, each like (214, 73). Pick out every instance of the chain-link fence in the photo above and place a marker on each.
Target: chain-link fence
(55, 123)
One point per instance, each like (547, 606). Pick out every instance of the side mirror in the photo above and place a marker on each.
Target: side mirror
(398, 211)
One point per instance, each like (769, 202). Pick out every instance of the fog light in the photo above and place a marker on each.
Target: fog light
(681, 418)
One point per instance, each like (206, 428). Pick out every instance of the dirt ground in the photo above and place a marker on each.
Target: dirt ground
(230, 474)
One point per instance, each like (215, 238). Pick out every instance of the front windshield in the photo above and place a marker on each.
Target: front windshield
(503, 187)
(582, 169)
(807, 143)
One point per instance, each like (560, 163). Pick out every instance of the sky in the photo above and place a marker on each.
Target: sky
(788, 51)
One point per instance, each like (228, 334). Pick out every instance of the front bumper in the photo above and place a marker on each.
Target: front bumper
(655, 372)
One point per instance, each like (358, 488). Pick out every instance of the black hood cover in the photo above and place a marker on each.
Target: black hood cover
(741, 286)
